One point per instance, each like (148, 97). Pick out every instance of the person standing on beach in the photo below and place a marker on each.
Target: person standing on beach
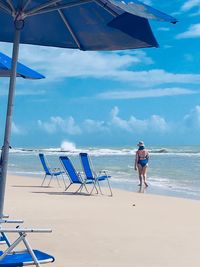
(141, 163)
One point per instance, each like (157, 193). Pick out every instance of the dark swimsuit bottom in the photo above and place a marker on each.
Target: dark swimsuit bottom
(143, 162)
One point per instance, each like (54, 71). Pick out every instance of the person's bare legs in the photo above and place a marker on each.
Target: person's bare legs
(140, 174)
(144, 175)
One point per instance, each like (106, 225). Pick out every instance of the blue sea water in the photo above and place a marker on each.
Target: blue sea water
(173, 171)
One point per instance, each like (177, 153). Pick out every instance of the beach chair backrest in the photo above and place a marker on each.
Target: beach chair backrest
(44, 164)
(69, 168)
(86, 165)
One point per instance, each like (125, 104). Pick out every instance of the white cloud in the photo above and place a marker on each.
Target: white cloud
(57, 124)
(144, 93)
(16, 129)
(192, 32)
(157, 123)
(154, 124)
(57, 64)
(192, 120)
(190, 4)
(23, 92)
(92, 126)
(158, 76)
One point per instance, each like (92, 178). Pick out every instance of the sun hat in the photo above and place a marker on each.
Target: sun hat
(141, 143)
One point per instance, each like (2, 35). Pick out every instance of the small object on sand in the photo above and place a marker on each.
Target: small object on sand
(134, 205)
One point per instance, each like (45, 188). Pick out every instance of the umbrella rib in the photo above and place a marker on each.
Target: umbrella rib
(11, 6)
(25, 5)
(106, 7)
(70, 29)
(43, 6)
(5, 8)
(63, 6)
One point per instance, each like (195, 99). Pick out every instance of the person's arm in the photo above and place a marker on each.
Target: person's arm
(136, 160)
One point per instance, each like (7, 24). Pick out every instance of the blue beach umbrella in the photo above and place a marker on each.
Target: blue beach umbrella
(80, 24)
(22, 70)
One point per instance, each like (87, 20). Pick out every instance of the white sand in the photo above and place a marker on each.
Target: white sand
(128, 229)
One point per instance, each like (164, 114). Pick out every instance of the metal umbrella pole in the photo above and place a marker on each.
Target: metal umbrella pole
(7, 133)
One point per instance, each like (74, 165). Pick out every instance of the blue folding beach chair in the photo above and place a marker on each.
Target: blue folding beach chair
(74, 177)
(91, 175)
(29, 256)
(55, 172)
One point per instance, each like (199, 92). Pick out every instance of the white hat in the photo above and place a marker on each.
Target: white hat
(141, 143)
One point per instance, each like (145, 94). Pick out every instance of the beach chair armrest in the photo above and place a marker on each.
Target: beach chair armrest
(5, 216)
(11, 221)
(103, 171)
(24, 230)
(55, 169)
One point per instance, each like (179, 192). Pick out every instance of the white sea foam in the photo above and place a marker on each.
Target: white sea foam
(67, 146)
(71, 148)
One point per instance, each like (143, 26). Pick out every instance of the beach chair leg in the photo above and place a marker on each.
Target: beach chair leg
(94, 187)
(43, 180)
(68, 186)
(6, 239)
(86, 189)
(99, 187)
(79, 189)
(57, 180)
(50, 180)
(27, 245)
(111, 194)
(64, 180)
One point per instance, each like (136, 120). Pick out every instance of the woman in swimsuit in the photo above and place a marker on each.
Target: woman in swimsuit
(141, 162)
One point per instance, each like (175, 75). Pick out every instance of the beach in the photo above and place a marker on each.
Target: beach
(128, 229)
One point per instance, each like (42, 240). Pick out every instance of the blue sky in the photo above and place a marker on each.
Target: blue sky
(113, 98)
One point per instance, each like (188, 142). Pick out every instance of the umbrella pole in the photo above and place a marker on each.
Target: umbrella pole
(7, 133)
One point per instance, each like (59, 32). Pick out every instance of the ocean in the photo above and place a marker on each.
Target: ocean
(173, 171)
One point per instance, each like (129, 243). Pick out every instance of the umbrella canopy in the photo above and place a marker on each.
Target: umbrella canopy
(80, 24)
(22, 70)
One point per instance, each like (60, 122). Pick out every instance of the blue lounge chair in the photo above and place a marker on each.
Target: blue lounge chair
(29, 256)
(91, 175)
(55, 172)
(74, 177)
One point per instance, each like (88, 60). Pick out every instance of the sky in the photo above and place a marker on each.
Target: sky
(112, 99)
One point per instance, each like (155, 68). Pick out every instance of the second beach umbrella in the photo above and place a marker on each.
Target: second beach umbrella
(22, 70)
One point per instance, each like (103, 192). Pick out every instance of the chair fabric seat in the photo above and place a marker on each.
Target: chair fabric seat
(24, 258)
(57, 173)
(99, 178)
(103, 177)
